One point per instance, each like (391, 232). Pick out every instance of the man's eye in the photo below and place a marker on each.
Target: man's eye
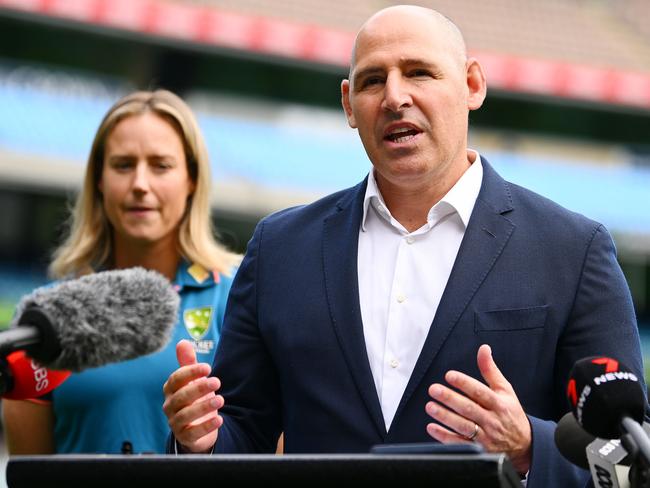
(374, 80)
(420, 73)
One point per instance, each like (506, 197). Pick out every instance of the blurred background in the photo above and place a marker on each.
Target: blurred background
(567, 114)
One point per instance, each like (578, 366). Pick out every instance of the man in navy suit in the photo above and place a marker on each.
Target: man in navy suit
(432, 300)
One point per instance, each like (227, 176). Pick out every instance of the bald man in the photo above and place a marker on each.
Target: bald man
(434, 300)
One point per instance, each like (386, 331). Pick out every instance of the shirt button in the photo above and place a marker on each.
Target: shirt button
(410, 239)
(401, 298)
(394, 363)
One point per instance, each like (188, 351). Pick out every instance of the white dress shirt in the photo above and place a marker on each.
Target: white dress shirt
(402, 276)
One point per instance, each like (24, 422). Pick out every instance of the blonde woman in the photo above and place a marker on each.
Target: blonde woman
(144, 202)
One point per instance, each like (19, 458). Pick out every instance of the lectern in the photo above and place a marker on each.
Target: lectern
(401, 470)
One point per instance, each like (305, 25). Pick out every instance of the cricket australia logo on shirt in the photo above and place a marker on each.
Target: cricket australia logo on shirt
(197, 324)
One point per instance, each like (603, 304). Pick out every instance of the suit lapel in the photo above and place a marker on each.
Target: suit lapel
(487, 233)
(340, 248)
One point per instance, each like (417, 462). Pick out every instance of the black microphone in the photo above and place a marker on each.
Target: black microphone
(607, 401)
(100, 318)
(606, 459)
(572, 440)
(602, 393)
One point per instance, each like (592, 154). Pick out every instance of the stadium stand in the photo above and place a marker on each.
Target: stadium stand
(578, 31)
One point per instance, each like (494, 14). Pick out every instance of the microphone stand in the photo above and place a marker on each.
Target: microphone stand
(18, 338)
(637, 444)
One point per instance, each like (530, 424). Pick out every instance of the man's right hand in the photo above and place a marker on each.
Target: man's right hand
(191, 403)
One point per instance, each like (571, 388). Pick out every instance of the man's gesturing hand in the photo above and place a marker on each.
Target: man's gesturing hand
(191, 404)
(489, 414)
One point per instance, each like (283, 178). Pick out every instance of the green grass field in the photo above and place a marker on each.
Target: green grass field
(6, 312)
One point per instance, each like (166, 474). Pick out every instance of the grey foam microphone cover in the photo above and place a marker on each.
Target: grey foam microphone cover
(101, 318)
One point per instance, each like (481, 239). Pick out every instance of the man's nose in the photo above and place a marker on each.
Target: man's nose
(396, 93)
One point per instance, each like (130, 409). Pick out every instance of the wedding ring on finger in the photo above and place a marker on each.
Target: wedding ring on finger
(473, 435)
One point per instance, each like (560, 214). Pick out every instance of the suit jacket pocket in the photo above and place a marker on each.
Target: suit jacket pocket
(511, 319)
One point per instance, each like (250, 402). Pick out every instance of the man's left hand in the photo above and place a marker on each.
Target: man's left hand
(490, 415)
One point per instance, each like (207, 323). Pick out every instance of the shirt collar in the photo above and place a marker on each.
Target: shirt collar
(372, 196)
(460, 198)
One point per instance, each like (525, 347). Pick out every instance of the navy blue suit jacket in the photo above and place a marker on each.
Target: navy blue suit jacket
(538, 283)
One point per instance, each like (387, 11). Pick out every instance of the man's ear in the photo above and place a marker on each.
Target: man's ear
(345, 101)
(476, 84)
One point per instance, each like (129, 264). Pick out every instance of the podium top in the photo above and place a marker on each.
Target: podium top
(448, 470)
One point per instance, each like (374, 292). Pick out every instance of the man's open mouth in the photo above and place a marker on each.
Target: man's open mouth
(401, 134)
